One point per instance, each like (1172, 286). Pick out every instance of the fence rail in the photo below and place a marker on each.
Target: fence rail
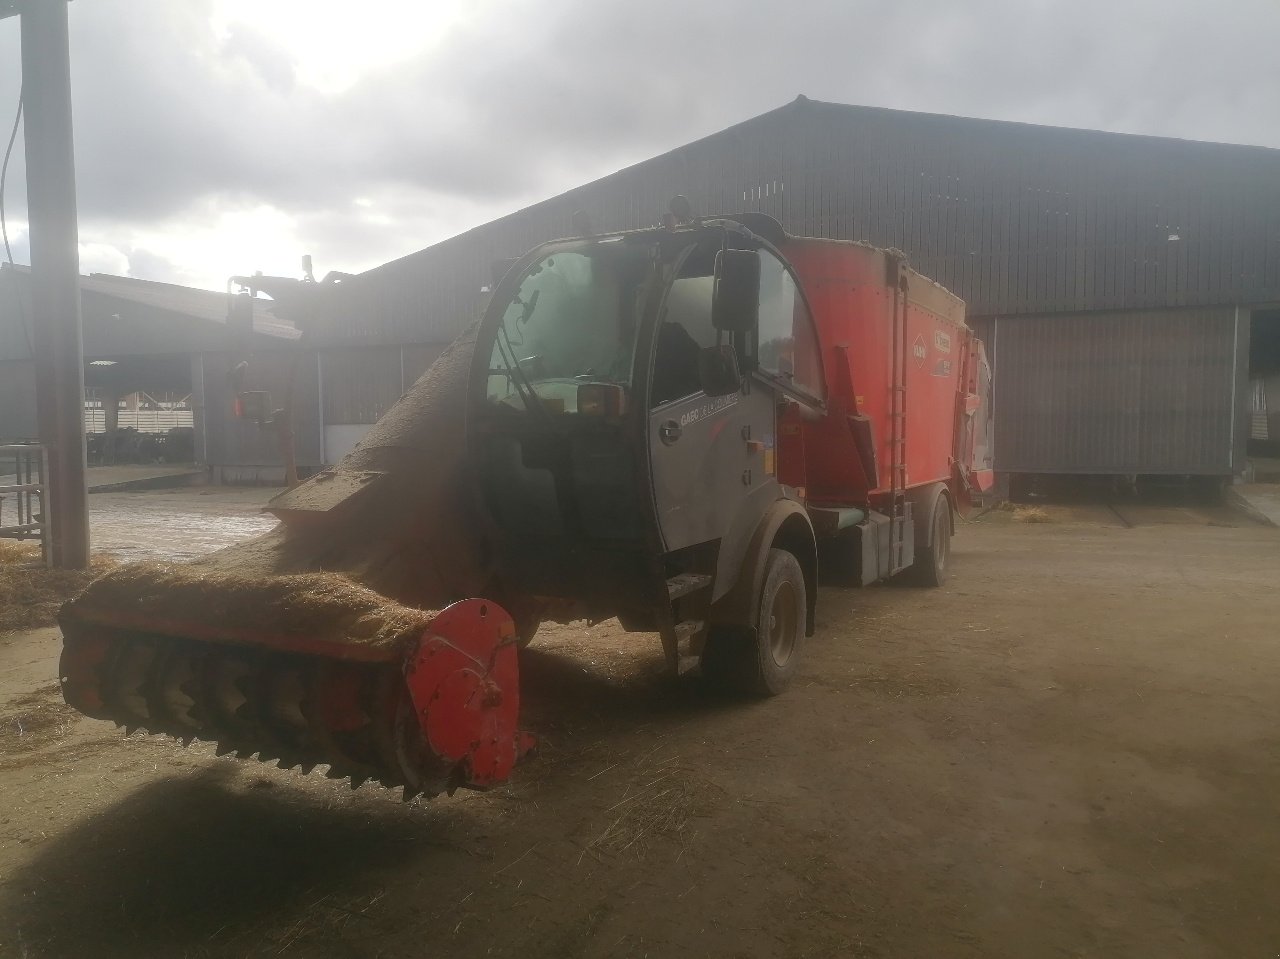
(144, 421)
(23, 500)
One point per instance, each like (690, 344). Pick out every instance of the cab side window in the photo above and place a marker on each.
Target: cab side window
(788, 346)
(684, 331)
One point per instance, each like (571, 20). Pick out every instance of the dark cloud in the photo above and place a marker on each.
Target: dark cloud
(528, 99)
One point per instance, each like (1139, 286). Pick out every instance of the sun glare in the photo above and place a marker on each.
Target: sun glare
(331, 47)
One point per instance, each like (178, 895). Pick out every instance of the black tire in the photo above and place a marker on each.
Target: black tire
(764, 664)
(525, 632)
(931, 562)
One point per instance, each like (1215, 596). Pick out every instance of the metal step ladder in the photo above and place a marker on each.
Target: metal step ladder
(690, 634)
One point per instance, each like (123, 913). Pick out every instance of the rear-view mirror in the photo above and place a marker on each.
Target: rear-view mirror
(735, 304)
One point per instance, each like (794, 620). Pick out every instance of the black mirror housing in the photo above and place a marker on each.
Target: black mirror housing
(718, 370)
(735, 304)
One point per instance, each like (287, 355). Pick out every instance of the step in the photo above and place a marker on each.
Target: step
(682, 584)
(686, 632)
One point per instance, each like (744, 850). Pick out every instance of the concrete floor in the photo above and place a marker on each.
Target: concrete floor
(176, 524)
(1072, 749)
(1261, 498)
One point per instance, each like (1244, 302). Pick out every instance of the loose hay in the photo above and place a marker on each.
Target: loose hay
(35, 719)
(321, 605)
(31, 593)
(658, 804)
(1032, 514)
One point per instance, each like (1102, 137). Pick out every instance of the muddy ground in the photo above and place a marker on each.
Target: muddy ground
(1071, 750)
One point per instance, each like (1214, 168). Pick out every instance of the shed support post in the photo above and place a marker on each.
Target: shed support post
(55, 275)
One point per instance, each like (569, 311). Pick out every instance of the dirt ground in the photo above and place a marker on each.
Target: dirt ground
(1071, 750)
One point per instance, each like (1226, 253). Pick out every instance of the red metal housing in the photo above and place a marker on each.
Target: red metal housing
(904, 379)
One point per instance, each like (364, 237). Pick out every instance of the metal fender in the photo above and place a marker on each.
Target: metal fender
(922, 502)
(741, 564)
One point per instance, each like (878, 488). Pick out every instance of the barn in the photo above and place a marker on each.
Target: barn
(1127, 287)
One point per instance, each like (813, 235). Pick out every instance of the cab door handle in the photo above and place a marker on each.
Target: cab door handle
(669, 432)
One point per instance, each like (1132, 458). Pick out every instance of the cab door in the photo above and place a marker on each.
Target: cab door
(708, 456)
(706, 453)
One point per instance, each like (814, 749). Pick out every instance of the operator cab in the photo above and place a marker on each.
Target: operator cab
(625, 403)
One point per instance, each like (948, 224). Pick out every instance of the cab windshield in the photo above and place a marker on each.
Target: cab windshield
(573, 320)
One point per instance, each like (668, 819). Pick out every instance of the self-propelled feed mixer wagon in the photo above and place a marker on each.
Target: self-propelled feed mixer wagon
(687, 428)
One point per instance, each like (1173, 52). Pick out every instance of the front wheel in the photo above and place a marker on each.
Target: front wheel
(763, 664)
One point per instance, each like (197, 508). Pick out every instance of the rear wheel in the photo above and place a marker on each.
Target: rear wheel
(930, 566)
(763, 664)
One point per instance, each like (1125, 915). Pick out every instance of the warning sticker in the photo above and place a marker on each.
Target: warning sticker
(942, 341)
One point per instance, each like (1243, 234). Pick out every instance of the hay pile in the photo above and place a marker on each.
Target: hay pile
(30, 592)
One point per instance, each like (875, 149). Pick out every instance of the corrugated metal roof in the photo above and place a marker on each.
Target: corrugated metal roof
(1013, 217)
(203, 304)
(123, 315)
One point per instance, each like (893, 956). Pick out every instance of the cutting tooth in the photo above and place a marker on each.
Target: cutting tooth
(334, 704)
(279, 714)
(125, 688)
(167, 691)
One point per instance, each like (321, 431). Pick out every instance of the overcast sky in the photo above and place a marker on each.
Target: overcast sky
(224, 136)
